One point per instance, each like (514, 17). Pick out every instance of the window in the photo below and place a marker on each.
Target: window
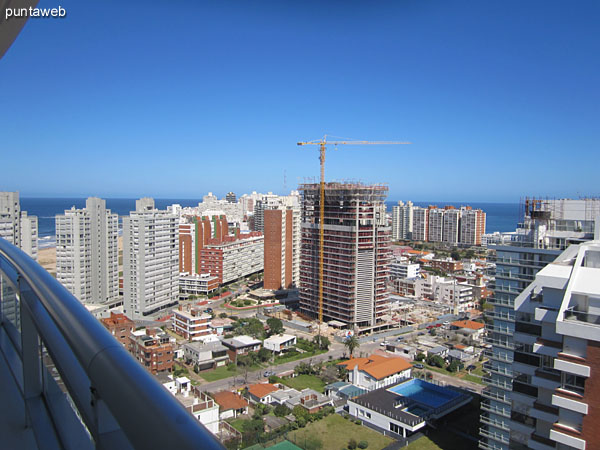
(573, 383)
(395, 428)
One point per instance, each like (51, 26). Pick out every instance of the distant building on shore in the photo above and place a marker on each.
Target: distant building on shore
(464, 226)
(16, 226)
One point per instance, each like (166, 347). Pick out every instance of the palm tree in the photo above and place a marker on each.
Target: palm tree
(352, 344)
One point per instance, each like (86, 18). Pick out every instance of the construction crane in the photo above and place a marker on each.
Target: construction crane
(323, 143)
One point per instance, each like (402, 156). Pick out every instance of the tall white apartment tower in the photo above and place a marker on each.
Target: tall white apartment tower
(451, 227)
(17, 227)
(420, 224)
(29, 235)
(402, 221)
(150, 260)
(436, 223)
(87, 252)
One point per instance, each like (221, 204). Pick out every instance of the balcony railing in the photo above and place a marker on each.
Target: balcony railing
(581, 316)
(80, 387)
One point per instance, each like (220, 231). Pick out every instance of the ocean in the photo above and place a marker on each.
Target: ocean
(499, 216)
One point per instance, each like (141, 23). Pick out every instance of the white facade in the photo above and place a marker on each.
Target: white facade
(87, 253)
(364, 380)
(557, 328)
(402, 221)
(404, 270)
(451, 226)
(29, 235)
(242, 257)
(16, 226)
(436, 225)
(150, 260)
(197, 284)
(279, 342)
(420, 224)
(10, 212)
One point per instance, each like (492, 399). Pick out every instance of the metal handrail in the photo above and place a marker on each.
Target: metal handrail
(148, 415)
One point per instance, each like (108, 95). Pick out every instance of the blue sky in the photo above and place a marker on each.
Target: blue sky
(178, 98)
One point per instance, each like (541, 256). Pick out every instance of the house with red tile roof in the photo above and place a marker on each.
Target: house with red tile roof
(376, 371)
(231, 404)
(261, 392)
(469, 328)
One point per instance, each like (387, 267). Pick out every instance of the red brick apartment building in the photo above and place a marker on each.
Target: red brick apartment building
(278, 248)
(205, 247)
(120, 326)
(151, 347)
(447, 265)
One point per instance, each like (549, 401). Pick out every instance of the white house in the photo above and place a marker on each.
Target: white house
(376, 371)
(231, 404)
(261, 392)
(279, 342)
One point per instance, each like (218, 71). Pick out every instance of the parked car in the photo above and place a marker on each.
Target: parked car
(208, 310)
(400, 338)
(471, 367)
(269, 373)
(383, 344)
(418, 366)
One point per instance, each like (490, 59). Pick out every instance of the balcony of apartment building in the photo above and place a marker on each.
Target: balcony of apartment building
(65, 382)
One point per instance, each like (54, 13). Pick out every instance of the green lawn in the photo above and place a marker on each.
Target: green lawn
(334, 432)
(238, 423)
(284, 359)
(305, 381)
(222, 372)
(423, 443)
(462, 374)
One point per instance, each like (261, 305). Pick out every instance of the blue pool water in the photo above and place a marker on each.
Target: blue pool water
(424, 392)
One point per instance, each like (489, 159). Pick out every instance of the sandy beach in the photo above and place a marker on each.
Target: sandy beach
(47, 259)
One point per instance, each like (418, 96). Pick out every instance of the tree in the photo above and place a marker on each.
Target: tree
(433, 332)
(351, 344)
(300, 413)
(436, 360)
(223, 315)
(275, 326)
(420, 356)
(281, 411)
(455, 255)
(264, 354)
(322, 342)
(251, 327)
(453, 366)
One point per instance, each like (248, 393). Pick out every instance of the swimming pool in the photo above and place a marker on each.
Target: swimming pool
(426, 393)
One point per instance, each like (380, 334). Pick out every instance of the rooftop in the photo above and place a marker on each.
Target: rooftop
(470, 324)
(280, 339)
(241, 341)
(261, 390)
(230, 400)
(378, 366)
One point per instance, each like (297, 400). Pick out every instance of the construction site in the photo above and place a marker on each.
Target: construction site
(356, 251)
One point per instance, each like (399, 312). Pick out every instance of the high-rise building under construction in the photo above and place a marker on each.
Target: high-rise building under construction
(356, 245)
